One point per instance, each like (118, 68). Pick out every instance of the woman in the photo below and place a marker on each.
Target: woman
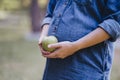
(86, 30)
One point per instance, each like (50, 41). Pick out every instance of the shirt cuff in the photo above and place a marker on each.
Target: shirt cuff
(112, 27)
(46, 20)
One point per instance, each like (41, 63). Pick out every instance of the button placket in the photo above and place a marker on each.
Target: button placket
(58, 16)
(54, 29)
(55, 25)
(66, 2)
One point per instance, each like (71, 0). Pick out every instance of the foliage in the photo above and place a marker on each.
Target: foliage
(10, 4)
(19, 4)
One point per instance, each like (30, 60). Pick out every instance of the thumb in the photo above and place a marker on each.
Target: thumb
(56, 45)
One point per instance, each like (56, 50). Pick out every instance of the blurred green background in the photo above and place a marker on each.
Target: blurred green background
(20, 57)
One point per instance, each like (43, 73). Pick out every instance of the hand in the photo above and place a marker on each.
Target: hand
(40, 46)
(63, 50)
(42, 50)
(43, 34)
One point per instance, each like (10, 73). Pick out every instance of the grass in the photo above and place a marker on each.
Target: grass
(21, 59)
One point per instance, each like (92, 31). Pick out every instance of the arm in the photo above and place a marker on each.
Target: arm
(44, 32)
(46, 22)
(111, 22)
(47, 19)
(42, 35)
(109, 29)
(93, 38)
(49, 12)
(68, 48)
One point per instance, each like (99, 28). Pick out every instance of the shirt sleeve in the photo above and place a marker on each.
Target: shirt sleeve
(49, 12)
(111, 23)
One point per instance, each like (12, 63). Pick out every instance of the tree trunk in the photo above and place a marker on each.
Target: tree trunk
(35, 16)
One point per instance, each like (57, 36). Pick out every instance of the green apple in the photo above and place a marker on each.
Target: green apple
(49, 40)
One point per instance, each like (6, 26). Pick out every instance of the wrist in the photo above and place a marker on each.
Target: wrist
(44, 32)
(45, 29)
(76, 45)
(45, 25)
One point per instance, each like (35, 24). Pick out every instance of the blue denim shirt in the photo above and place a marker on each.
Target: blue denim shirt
(70, 20)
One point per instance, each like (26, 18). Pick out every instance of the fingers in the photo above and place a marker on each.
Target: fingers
(48, 54)
(43, 51)
(52, 55)
(56, 45)
(57, 52)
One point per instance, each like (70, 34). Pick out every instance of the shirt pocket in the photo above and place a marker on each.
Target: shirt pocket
(83, 2)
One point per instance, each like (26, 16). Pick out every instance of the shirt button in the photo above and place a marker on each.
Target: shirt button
(59, 15)
(65, 3)
(54, 30)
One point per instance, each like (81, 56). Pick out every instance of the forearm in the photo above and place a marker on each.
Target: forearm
(44, 32)
(45, 29)
(91, 39)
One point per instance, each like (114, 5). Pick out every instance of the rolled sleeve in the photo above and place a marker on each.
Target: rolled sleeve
(46, 20)
(49, 12)
(112, 27)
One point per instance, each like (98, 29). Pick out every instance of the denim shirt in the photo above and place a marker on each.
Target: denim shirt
(71, 20)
